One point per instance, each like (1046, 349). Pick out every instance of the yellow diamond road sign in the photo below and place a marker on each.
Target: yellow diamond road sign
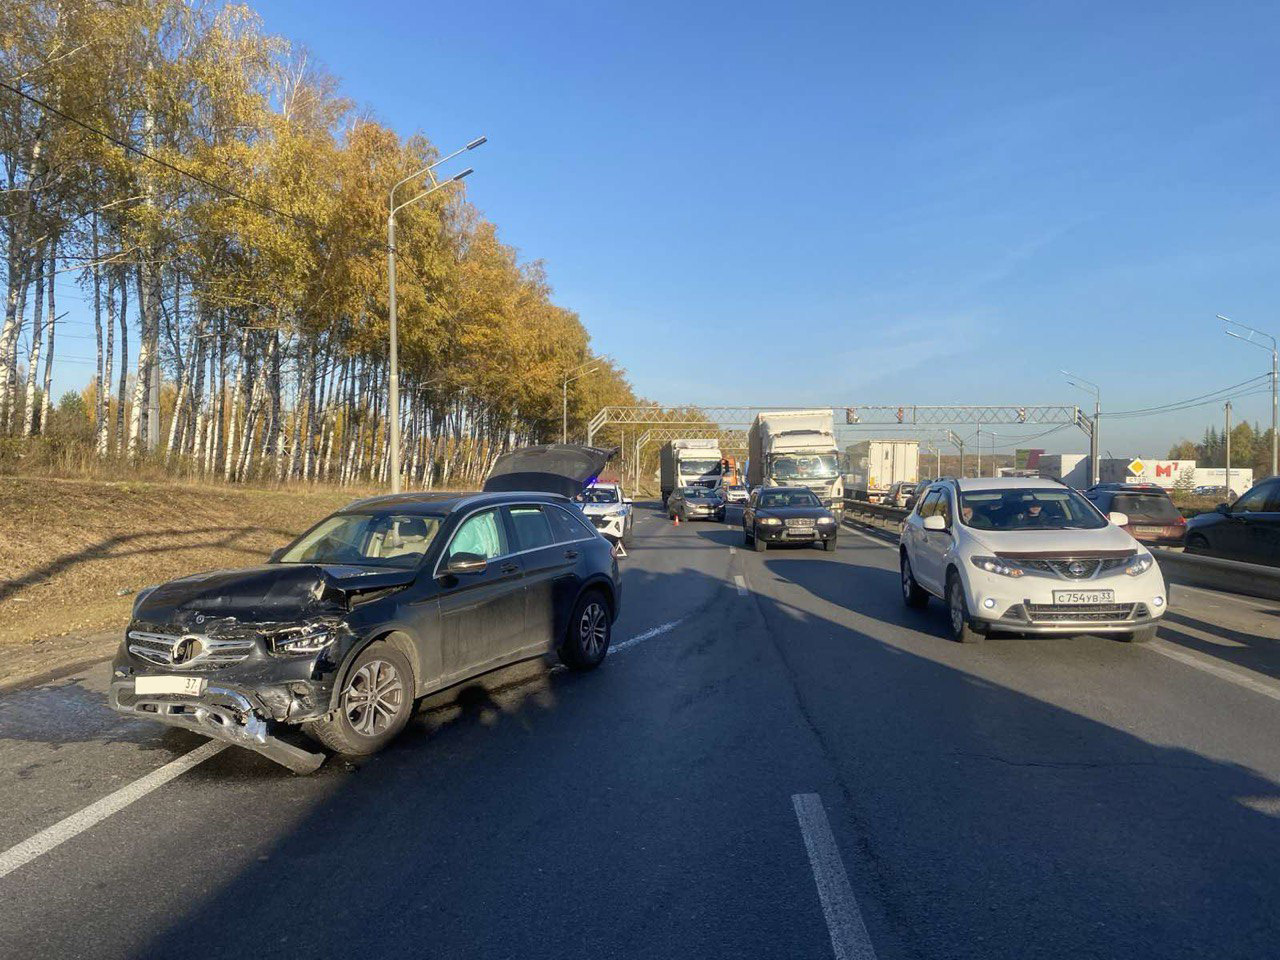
(1136, 467)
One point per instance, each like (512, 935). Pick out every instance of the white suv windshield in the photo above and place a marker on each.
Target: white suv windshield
(1028, 509)
(600, 496)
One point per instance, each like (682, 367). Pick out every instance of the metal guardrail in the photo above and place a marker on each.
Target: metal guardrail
(1213, 573)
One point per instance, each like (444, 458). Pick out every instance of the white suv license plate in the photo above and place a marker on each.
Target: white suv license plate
(1084, 596)
(181, 686)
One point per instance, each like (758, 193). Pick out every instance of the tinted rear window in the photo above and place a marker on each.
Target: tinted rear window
(1141, 507)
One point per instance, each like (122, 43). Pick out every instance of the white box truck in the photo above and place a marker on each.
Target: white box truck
(876, 465)
(686, 463)
(796, 448)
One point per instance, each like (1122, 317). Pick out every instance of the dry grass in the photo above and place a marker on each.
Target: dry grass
(68, 548)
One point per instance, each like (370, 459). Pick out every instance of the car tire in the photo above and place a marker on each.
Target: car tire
(958, 612)
(913, 595)
(380, 680)
(747, 538)
(587, 636)
(1142, 635)
(761, 546)
(1196, 543)
(829, 545)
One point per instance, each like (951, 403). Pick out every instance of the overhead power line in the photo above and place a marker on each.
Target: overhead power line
(1205, 398)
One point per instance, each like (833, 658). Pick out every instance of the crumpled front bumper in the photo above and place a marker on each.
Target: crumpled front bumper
(223, 712)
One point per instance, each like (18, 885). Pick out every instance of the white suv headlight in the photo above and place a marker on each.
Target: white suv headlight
(995, 565)
(1139, 565)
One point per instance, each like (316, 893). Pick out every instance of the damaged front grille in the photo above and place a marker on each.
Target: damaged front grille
(189, 650)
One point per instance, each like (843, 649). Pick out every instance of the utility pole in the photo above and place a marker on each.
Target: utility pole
(1275, 380)
(1088, 386)
(979, 439)
(951, 435)
(1226, 477)
(393, 332)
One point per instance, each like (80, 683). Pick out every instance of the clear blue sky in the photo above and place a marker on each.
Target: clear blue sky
(865, 203)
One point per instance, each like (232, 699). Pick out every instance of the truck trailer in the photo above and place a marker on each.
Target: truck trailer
(797, 448)
(876, 465)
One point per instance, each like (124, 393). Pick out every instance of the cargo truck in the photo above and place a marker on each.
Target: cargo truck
(689, 463)
(797, 448)
(876, 465)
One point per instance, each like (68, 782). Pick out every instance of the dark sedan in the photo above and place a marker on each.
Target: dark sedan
(1248, 529)
(384, 602)
(776, 515)
(690, 503)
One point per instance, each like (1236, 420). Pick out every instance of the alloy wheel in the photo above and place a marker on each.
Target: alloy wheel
(957, 607)
(592, 629)
(373, 698)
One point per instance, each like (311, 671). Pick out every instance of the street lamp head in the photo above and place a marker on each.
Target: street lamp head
(464, 174)
(477, 142)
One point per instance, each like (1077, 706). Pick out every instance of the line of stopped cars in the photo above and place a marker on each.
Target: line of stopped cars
(387, 601)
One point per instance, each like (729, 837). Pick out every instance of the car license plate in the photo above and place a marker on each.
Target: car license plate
(1084, 596)
(182, 686)
(800, 532)
(1153, 531)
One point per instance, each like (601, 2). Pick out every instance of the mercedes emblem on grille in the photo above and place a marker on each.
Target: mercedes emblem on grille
(1076, 568)
(188, 648)
(199, 618)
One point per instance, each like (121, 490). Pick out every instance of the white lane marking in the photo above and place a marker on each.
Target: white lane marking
(866, 536)
(742, 584)
(732, 550)
(62, 831)
(1231, 676)
(647, 635)
(849, 937)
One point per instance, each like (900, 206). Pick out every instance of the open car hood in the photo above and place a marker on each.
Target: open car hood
(564, 468)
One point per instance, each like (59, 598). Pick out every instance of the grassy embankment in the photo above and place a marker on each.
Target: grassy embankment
(73, 553)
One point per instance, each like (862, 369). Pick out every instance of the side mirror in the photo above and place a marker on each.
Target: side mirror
(935, 522)
(462, 564)
(628, 501)
(1223, 509)
(1119, 519)
(276, 555)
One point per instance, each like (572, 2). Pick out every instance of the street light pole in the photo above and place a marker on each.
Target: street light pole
(1088, 386)
(393, 332)
(1275, 379)
(564, 396)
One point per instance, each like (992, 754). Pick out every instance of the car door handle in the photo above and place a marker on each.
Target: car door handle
(571, 554)
(509, 567)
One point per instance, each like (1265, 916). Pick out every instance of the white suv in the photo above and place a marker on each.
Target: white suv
(1027, 556)
(608, 510)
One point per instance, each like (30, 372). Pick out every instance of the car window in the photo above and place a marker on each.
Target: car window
(532, 528)
(929, 505)
(481, 534)
(569, 525)
(793, 498)
(944, 507)
(1030, 508)
(1145, 507)
(1257, 499)
(390, 540)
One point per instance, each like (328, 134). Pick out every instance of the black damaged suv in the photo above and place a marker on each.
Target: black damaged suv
(384, 602)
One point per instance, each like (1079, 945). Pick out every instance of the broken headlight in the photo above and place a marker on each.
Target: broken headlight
(313, 639)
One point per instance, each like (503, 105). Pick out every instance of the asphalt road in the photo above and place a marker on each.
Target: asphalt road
(776, 760)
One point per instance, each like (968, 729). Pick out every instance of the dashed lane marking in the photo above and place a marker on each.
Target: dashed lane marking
(849, 937)
(62, 831)
(741, 583)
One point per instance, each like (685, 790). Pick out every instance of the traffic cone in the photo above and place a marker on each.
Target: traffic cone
(676, 519)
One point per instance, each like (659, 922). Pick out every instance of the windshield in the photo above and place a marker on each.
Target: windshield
(793, 466)
(600, 496)
(790, 498)
(698, 492)
(366, 539)
(1146, 507)
(700, 467)
(1028, 510)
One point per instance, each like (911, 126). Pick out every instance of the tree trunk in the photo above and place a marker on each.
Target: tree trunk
(33, 357)
(46, 399)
